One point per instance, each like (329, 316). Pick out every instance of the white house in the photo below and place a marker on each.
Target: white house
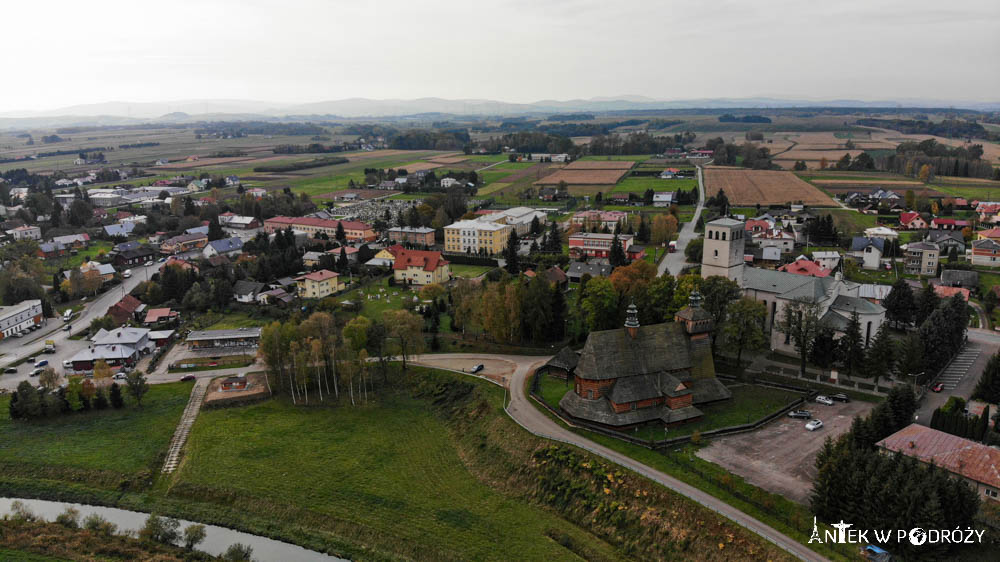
(827, 260)
(870, 251)
(449, 182)
(223, 247)
(664, 198)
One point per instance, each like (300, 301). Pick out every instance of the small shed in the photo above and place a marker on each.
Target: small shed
(239, 382)
(561, 366)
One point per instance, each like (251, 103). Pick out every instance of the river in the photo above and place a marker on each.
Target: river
(217, 539)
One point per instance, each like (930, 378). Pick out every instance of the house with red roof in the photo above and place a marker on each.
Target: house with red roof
(419, 267)
(939, 223)
(156, 316)
(912, 221)
(991, 234)
(975, 463)
(805, 267)
(946, 292)
(355, 231)
(126, 309)
(319, 284)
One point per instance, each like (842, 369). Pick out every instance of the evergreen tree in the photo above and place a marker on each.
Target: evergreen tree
(341, 235)
(510, 256)
(927, 301)
(852, 346)
(536, 227)
(988, 387)
(617, 255)
(215, 231)
(116, 397)
(557, 328)
(881, 356)
(343, 264)
(899, 303)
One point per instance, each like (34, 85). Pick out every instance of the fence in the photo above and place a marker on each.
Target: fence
(664, 443)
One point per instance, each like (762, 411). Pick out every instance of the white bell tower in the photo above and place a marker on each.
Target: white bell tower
(724, 249)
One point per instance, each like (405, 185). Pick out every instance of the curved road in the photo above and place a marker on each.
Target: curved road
(533, 420)
(674, 262)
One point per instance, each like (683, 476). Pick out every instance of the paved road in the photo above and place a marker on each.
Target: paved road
(961, 377)
(529, 417)
(674, 262)
(14, 349)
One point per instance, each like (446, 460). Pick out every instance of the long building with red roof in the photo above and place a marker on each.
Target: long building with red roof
(356, 231)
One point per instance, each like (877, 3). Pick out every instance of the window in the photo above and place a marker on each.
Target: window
(715, 253)
(590, 394)
(634, 405)
(991, 493)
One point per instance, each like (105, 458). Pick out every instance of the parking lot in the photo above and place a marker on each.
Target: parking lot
(780, 456)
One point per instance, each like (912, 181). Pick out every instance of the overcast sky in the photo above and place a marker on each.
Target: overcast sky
(64, 53)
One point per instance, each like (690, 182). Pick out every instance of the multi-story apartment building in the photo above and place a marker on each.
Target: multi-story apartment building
(413, 235)
(355, 231)
(475, 236)
(922, 258)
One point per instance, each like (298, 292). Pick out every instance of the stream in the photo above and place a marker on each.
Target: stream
(217, 539)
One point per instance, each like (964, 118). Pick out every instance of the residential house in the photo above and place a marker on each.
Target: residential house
(119, 230)
(553, 275)
(827, 260)
(174, 261)
(578, 269)
(446, 182)
(183, 243)
(881, 232)
(311, 259)
(238, 222)
(946, 240)
(991, 234)
(421, 235)
(419, 267)
(133, 256)
(986, 252)
(246, 291)
(972, 462)
(160, 317)
(784, 241)
(50, 250)
(939, 223)
(869, 250)
(277, 297)
(26, 232)
(319, 284)
(921, 258)
(75, 241)
(121, 347)
(664, 198)
(256, 192)
(944, 292)
(224, 247)
(912, 221)
(232, 181)
(384, 258)
(600, 220)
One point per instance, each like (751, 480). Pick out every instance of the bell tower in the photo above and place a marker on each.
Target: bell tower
(723, 250)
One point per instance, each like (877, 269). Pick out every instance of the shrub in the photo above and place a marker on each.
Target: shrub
(238, 552)
(160, 529)
(69, 518)
(100, 525)
(193, 534)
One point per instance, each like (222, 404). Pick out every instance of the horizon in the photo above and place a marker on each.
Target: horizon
(569, 50)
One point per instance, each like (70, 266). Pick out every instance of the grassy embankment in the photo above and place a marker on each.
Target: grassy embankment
(430, 468)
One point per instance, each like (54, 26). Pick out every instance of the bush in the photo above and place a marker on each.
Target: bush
(21, 512)
(160, 529)
(69, 518)
(193, 534)
(238, 552)
(99, 525)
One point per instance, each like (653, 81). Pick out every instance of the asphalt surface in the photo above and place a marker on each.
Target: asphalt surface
(674, 262)
(533, 420)
(961, 376)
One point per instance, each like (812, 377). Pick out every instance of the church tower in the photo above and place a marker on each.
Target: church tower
(723, 250)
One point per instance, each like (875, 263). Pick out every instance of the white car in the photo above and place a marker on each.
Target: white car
(824, 400)
(127, 273)
(814, 425)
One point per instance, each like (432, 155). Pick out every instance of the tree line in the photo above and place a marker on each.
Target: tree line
(77, 395)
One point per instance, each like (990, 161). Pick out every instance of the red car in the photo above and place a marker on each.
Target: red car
(938, 387)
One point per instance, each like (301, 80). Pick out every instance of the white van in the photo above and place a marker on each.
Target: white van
(67, 315)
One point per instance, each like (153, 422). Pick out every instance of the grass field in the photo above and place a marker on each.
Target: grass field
(851, 222)
(96, 247)
(122, 441)
(492, 188)
(635, 184)
(235, 320)
(627, 157)
(469, 271)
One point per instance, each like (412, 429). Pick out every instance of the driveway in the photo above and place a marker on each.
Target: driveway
(674, 262)
(961, 376)
(780, 457)
(533, 420)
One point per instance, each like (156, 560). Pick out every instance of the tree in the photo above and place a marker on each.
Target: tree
(215, 231)
(800, 165)
(341, 235)
(101, 370)
(664, 228)
(927, 302)
(116, 396)
(238, 552)
(617, 257)
(852, 346)
(911, 356)
(193, 535)
(137, 386)
(988, 387)
(881, 356)
(510, 256)
(693, 251)
(743, 330)
(718, 292)
(49, 379)
(600, 304)
(899, 304)
(799, 323)
(405, 327)
(355, 333)
(160, 529)
(925, 173)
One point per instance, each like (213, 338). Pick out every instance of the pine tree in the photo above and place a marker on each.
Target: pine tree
(510, 256)
(116, 396)
(852, 347)
(927, 301)
(899, 304)
(341, 235)
(617, 255)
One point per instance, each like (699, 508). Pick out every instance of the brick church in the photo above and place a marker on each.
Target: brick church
(638, 375)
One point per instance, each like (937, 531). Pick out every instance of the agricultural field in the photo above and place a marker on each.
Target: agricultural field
(639, 184)
(588, 165)
(766, 187)
(583, 177)
(469, 271)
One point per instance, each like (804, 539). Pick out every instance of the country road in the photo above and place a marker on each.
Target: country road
(534, 421)
(674, 262)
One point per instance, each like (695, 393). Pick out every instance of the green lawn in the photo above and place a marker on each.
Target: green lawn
(95, 248)
(492, 188)
(851, 222)
(390, 468)
(122, 441)
(487, 158)
(233, 321)
(635, 184)
(493, 175)
(469, 271)
(515, 166)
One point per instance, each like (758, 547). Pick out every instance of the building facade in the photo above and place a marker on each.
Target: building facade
(419, 267)
(319, 284)
(473, 236)
(922, 259)
(355, 231)
(413, 235)
(724, 249)
(18, 318)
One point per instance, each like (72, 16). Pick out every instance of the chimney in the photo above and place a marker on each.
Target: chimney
(632, 320)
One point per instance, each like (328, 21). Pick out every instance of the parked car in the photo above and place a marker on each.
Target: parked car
(9, 370)
(148, 263)
(118, 377)
(477, 368)
(67, 364)
(187, 378)
(814, 425)
(67, 328)
(161, 260)
(36, 372)
(42, 363)
(127, 273)
(801, 414)
(67, 315)
(840, 397)
(823, 400)
(938, 387)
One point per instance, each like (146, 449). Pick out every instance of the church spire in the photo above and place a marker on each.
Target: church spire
(632, 320)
